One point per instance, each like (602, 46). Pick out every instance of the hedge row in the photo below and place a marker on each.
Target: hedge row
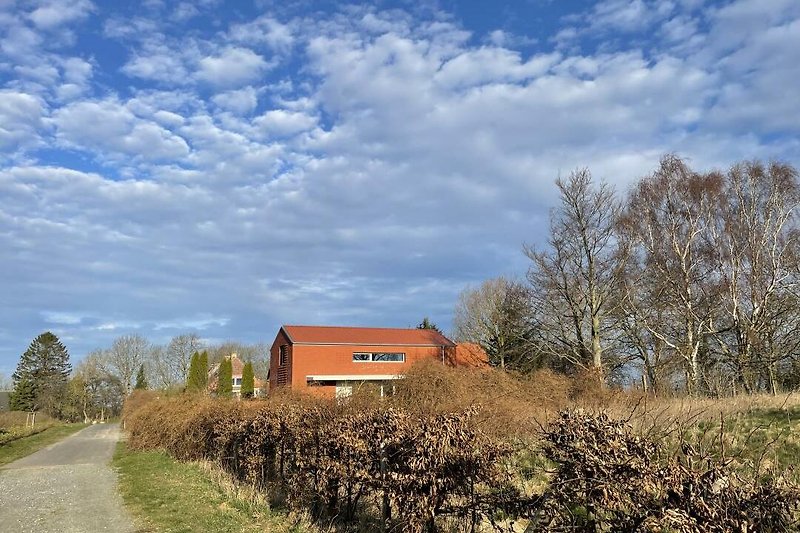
(402, 471)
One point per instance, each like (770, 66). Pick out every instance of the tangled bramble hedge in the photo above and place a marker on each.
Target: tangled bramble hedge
(333, 461)
(370, 465)
(609, 479)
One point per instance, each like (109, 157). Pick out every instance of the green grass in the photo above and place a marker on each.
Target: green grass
(760, 442)
(165, 495)
(19, 448)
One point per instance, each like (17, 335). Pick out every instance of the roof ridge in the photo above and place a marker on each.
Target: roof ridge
(353, 327)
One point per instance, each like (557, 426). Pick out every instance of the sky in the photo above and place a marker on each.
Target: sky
(227, 167)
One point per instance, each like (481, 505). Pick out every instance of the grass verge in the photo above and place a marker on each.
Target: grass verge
(19, 448)
(165, 495)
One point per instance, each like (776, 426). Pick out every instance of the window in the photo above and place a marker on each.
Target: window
(389, 357)
(237, 381)
(283, 354)
(379, 357)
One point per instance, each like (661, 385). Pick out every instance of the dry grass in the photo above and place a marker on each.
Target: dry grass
(13, 425)
(11, 419)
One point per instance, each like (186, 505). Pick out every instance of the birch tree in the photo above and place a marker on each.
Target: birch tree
(667, 221)
(757, 242)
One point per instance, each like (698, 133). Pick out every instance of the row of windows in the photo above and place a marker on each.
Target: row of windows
(358, 357)
(379, 357)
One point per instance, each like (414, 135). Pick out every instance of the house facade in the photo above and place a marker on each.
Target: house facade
(237, 367)
(331, 360)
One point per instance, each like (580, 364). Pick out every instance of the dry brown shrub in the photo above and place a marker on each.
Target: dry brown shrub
(589, 391)
(608, 478)
(137, 399)
(510, 404)
(336, 460)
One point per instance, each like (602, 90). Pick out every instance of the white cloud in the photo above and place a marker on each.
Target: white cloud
(185, 11)
(158, 62)
(621, 14)
(492, 65)
(282, 122)
(241, 101)
(61, 317)
(264, 30)
(232, 67)
(53, 13)
(20, 119)
(108, 126)
(77, 70)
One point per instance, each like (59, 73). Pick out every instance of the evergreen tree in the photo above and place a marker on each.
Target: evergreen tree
(248, 380)
(203, 370)
(193, 381)
(225, 377)
(141, 379)
(427, 324)
(23, 397)
(45, 364)
(190, 375)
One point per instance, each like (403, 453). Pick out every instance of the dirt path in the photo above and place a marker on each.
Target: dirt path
(66, 487)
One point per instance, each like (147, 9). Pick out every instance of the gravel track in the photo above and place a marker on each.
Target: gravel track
(66, 487)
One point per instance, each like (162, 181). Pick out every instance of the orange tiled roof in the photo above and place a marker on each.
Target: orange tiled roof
(237, 366)
(365, 336)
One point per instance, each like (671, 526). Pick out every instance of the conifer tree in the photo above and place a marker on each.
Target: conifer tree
(141, 379)
(225, 377)
(23, 397)
(193, 381)
(427, 324)
(203, 369)
(248, 380)
(42, 373)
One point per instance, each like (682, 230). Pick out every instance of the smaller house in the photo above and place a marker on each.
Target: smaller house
(237, 366)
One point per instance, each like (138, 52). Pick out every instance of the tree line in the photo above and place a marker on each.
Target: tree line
(688, 282)
(98, 385)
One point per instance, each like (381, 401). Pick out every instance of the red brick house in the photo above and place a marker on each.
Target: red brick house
(332, 360)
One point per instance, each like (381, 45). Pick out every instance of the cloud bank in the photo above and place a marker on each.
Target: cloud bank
(192, 169)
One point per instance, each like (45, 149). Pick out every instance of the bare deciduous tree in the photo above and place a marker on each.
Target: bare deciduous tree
(126, 355)
(757, 244)
(495, 315)
(576, 276)
(168, 366)
(667, 222)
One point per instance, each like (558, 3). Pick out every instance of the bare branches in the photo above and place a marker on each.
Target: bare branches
(575, 277)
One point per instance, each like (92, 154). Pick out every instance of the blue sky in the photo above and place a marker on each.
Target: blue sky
(223, 168)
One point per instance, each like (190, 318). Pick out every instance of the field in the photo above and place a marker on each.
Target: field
(485, 451)
(17, 441)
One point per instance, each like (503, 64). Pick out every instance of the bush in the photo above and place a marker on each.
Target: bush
(439, 453)
(609, 479)
(385, 463)
(511, 405)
